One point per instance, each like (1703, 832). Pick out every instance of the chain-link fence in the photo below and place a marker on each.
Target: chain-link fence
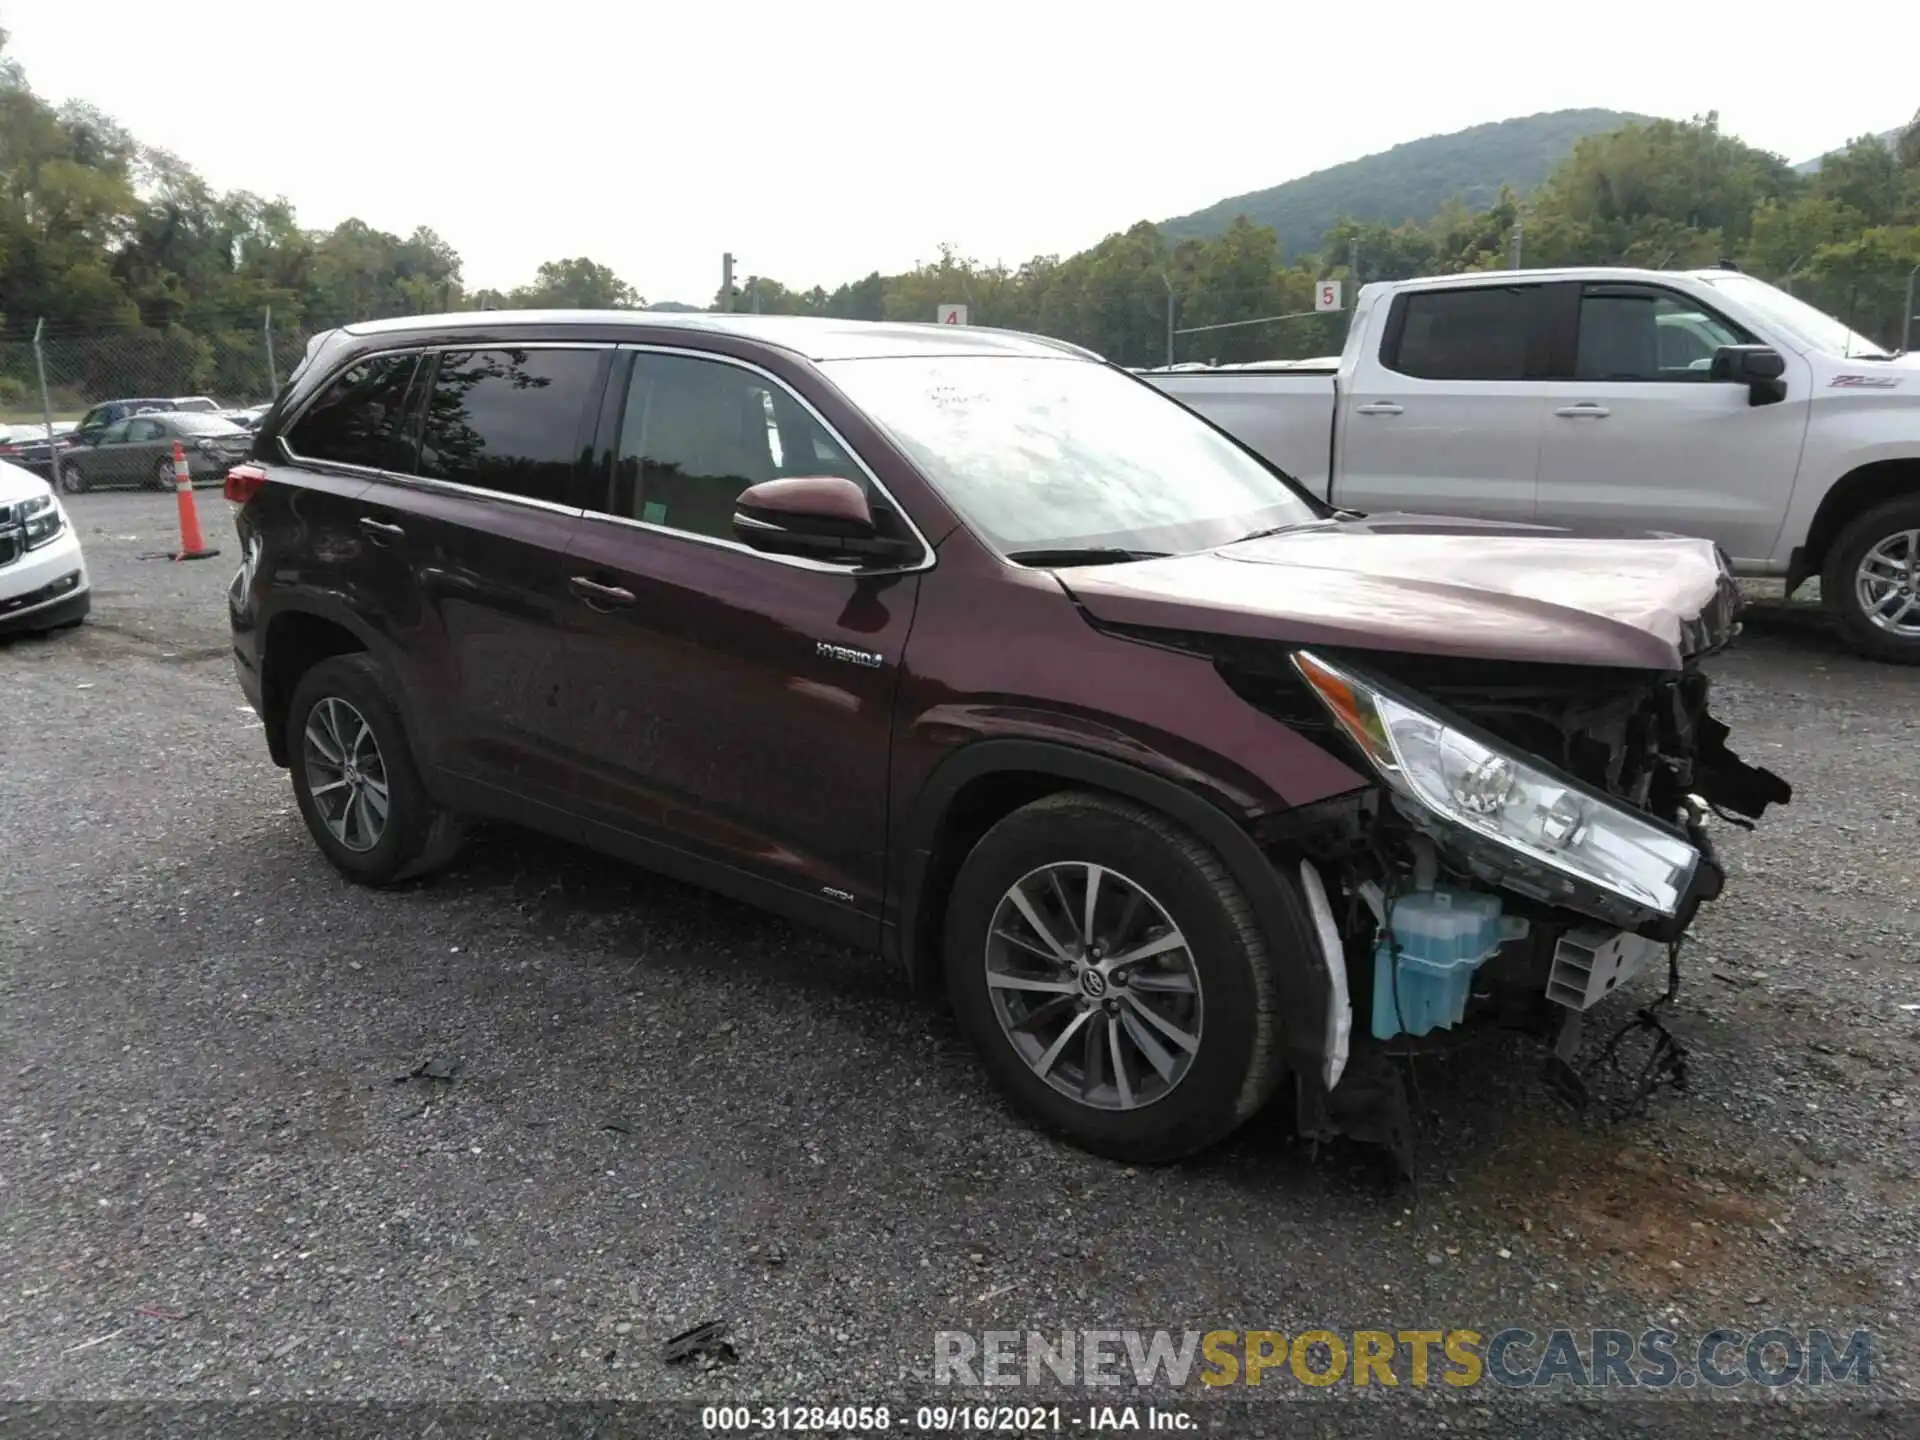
(236, 366)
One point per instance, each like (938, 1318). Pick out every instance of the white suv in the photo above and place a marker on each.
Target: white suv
(43, 577)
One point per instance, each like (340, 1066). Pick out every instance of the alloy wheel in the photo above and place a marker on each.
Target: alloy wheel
(346, 775)
(1094, 985)
(1887, 584)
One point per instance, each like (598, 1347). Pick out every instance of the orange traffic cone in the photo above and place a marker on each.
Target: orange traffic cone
(193, 545)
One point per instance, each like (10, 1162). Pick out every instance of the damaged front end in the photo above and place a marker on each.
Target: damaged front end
(1536, 838)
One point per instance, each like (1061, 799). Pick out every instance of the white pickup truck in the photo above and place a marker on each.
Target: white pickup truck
(1704, 403)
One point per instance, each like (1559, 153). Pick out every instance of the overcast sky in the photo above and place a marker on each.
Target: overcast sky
(822, 139)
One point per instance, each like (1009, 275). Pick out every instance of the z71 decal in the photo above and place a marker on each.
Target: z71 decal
(1864, 382)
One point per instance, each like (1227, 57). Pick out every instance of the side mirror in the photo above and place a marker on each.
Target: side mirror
(822, 517)
(1758, 367)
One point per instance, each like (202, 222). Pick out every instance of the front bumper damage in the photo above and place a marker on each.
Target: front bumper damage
(1553, 952)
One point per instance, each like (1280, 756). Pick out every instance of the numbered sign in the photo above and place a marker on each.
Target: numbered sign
(951, 315)
(1326, 295)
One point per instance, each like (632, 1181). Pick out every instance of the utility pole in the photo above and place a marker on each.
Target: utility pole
(753, 289)
(1168, 282)
(1353, 270)
(1519, 230)
(726, 281)
(1906, 341)
(46, 405)
(273, 374)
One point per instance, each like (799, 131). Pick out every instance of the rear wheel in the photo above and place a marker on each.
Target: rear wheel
(162, 474)
(1871, 582)
(354, 777)
(1112, 975)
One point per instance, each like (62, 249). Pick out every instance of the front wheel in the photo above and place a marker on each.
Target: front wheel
(73, 479)
(1112, 975)
(1871, 582)
(354, 777)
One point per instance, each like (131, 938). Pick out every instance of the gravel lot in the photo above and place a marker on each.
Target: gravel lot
(670, 1108)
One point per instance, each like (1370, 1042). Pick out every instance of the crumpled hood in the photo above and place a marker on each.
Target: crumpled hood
(1476, 589)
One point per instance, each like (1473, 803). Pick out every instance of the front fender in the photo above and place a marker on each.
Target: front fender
(1275, 896)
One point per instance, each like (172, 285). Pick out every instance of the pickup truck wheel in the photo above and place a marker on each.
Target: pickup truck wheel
(354, 777)
(1871, 582)
(1113, 977)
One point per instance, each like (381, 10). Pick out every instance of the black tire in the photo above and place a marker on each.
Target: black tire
(417, 835)
(73, 479)
(1840, 593)
(163, 477)
(1236, 1063)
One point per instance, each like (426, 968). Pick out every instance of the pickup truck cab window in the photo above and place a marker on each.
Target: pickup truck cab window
(1644, 333)
(1476, 332)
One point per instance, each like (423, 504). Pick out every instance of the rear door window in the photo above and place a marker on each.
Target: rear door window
(1480, 332)
(512, 421)
(360, 419)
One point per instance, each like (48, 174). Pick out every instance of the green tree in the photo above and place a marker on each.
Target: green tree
(577, 284)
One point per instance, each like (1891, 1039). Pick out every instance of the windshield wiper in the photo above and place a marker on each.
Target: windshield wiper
(1083, 555)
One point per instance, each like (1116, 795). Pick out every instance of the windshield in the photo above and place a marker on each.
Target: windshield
(186, 424)
(1814, 329)
(1042, 454)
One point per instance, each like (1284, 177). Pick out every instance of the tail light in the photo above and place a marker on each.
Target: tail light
(244, 482)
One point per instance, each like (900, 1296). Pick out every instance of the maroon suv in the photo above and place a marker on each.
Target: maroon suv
(983, 653)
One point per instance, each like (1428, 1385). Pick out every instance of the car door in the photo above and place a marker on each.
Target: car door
(106, 454)
(1446, 420)
(312, 542)
(148, 449)
(734, 708)
(1640, 434)
(479, 510)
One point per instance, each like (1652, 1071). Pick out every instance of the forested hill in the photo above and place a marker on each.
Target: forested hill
(1408, 182)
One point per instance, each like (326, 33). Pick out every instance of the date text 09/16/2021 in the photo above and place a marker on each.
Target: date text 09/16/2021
(947, 1419)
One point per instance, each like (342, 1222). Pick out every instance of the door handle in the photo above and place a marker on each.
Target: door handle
(1585, 410)
(599, 597)
(380, 532)
(1380, 407)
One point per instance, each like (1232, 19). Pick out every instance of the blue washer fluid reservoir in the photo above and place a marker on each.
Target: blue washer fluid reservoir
(1442, 935)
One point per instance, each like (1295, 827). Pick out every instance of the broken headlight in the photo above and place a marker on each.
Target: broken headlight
(1505, 797)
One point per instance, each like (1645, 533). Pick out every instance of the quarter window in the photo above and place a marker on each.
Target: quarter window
(360, 418)
(1641, 334)
(509, 420)
(695, 433)
(1475, 333)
